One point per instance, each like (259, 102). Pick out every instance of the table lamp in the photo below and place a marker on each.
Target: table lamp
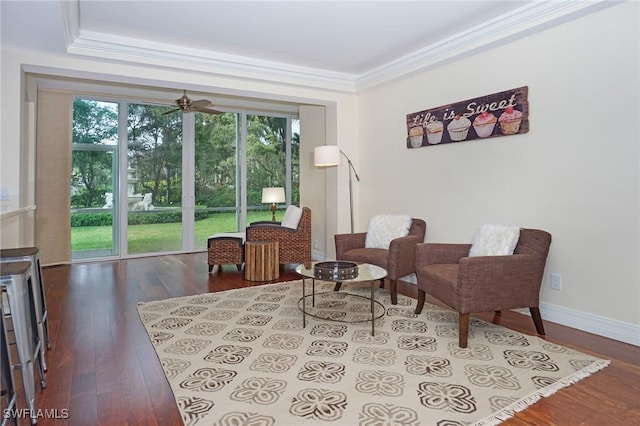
(273, 195)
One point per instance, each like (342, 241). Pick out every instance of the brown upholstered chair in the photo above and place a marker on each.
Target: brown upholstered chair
(484, 283)
(294, 244)
(398, 260)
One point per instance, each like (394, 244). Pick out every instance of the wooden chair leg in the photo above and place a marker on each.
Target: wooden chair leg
(239, 266)
(421, 297)
(463, 329)
(211, 268)
(393, 289)
(537, 320)
(337, 286)
(381, 282)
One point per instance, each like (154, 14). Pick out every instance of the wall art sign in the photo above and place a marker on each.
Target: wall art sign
(500, 114)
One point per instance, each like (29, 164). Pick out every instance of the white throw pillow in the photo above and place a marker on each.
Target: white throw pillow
(292, 217)
(495, 240)
(386, 227)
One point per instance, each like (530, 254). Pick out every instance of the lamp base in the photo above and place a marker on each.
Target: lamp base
(273, 212)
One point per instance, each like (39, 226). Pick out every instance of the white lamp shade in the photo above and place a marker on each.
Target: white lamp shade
(326, 155)
(273, 195)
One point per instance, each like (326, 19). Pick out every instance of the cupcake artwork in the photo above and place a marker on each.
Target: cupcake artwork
(434, 132)
(458, 128)
(416, 134)
(510, 121)
(500, 114)
(484, 124)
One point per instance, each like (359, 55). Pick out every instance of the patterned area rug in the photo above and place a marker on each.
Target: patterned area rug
(242, 357)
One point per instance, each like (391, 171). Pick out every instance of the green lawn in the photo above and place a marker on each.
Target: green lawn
(162, 236)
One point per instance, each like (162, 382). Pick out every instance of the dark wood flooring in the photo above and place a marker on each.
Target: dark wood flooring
(103, 369)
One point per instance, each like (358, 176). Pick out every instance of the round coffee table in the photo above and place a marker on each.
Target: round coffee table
(363, 272)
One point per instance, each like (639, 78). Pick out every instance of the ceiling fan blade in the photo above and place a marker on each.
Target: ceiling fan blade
(200, 103)
(186, 105)
(206, 110)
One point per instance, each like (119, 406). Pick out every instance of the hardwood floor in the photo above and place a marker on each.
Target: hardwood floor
(103, 369)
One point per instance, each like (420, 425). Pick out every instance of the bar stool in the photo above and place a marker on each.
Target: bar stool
(32, 255)
(8, 389)
(16, 279)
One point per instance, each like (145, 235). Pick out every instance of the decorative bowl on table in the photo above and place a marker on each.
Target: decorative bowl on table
(335, 271)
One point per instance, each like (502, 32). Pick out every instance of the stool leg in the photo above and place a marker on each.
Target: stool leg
(43, 299)
(6, 375)
(37, 297)
(36, 330)
(18, 303)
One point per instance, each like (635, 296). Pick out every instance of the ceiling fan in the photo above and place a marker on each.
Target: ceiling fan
(185, 104)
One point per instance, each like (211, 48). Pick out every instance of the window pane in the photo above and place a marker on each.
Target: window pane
(295, 161)
(266, 163)
(94, 167)
(216, 174)
(154, 180)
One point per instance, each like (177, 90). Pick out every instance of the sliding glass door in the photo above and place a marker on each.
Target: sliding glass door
(218, 197)
(266, 162)
(178, 179)
(94, 188)
(153, 180)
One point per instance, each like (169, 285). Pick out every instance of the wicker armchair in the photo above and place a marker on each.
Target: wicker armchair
(295, 244)
(484, 283)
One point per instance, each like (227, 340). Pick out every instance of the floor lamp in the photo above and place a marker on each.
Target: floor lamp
(328, 156)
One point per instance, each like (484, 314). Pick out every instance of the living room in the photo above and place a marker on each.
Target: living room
(575, 173)
(561, 176)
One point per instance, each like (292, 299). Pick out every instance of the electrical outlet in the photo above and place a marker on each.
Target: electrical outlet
(555, 281)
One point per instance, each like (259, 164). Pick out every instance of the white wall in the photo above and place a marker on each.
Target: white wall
(575, 173)
(312, 131)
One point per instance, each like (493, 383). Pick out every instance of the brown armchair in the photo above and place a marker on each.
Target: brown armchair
(398, 260)
(294, 244)
(484, 283)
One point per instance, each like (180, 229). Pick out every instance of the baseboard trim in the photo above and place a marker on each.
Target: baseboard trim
(601, 326)
(606, 327)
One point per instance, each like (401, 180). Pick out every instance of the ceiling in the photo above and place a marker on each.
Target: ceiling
(339, 45)
(343, 37)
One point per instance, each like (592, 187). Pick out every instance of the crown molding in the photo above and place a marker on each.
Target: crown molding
(526, 20)
(529, 19)
(71, 20)
(126, 49)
